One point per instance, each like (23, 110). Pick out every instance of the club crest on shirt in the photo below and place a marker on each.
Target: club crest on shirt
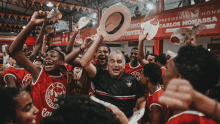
(55, 90)
(129, 83)
(27, 78)
(137, 75)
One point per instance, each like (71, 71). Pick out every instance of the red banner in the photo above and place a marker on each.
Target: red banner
(56, 41)
(9, 39)
(206, 13)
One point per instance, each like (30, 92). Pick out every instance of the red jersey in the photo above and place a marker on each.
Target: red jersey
(163, 69)
(190, 117)
(136, 71)
(68, 67)
(153, 99)
(20, 74)
(45, 92)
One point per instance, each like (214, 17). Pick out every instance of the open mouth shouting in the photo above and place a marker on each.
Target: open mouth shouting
(116, 70)
(102, 59)
(48, 64)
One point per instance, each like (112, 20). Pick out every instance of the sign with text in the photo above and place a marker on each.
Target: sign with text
(206, 13)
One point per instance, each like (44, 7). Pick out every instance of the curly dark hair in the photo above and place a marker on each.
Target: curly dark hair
(152, 71)
(199, 66)
(8, 103)
(162, 59)
(81, 110)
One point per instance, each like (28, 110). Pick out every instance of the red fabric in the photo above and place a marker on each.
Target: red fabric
(22, 76)
(163, 69)
(91, 90)
(190, 117)
(154, 99)
(95, 62)
(136, 71)
(68, 67)
(45, 92)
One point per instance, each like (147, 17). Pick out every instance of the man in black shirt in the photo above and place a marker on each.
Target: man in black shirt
(114, 86)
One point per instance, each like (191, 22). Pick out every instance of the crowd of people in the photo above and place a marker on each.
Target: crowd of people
(56, 86)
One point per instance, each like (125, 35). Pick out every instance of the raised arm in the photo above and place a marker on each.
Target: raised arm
(192, 42)
(88, 56)
(38, 43)
(140, 56)
(16, 47)
(71, 58)
(10, 81)
(43, 48)
(69, 46)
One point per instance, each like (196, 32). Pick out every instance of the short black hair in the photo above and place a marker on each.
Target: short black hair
(199, 66)
(152, 71)
(162, 59)
(61, 56)
(134, 48)
(81, 110)
(156, 57)
(8, 103)
(105, 46)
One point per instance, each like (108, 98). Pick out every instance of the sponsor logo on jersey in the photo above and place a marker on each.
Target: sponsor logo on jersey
(55, 90)
(45, 113)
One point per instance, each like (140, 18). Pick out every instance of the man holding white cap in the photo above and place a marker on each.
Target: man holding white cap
(113, 85)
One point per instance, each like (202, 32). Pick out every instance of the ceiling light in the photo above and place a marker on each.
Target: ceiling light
(49, 4)
(24, 27)
(150, 6)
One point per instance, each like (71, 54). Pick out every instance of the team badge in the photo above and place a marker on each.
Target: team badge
(27, 78)
(129, 83)
(55, 90)
(137, 75)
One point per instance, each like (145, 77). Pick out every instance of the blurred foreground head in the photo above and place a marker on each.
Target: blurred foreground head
(81, 110)
(195, 64)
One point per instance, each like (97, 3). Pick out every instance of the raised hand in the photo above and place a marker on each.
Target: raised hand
(192, 41)
(179, 94)
(39, 17)
(142, 36)
(86, 43)
(76, 30)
